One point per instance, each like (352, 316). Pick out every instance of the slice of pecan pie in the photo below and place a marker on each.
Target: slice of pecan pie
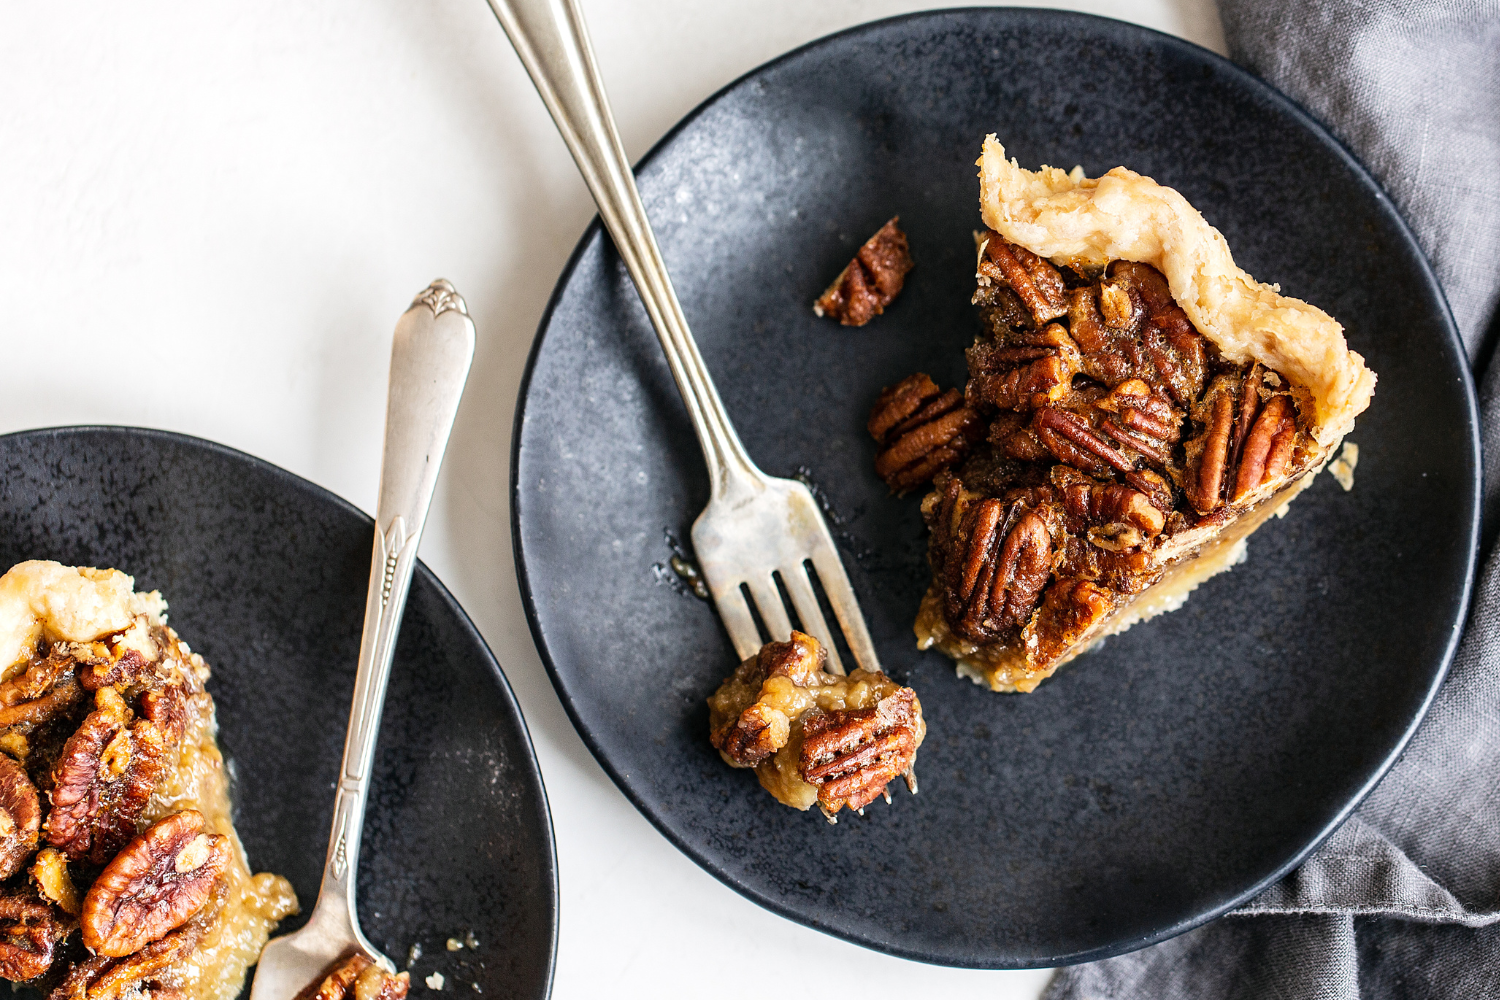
(813, 736)
(1136, 406)
(120, 871)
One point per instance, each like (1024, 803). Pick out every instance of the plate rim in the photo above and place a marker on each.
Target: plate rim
(1275, 97)
(445, 597)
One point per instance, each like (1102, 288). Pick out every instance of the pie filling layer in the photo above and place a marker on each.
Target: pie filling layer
(1109, 451)
(121, 874)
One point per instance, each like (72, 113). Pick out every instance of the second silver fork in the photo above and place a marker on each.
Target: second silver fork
(756, 528)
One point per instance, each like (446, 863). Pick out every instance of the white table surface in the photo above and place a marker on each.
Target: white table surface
(211, 216)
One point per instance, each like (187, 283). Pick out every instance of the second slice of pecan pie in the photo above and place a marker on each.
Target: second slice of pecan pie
(1136, 406)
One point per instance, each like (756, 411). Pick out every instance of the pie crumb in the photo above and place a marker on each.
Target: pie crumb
(435, 981)
(1342, 468)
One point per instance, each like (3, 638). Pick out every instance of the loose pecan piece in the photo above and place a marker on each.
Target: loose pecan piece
(102, 780)
(852, 754)
(20, 817)
(50, 875)
(921, 430)
(356, 976)
(870, 281)
(1038, 284)
(997, 563)
(749, 732)
(29, 934)
(153, 886)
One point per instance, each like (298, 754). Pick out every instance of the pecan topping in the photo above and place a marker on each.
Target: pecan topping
(20, 817)
(53, 883)
(852, 754)
(103, 779)
(1071, 608)
(1247, 441)
(1028, 369)
(29, 935)
(64, 696)
(921, 430)
(38, 678)
(104, 978)
(358, 977)
(997, 562)
(153, 886)
(1141, 420)
(1073, 441)
(1091, 505)
(870, 281)
(1268, 447)
(1035, 281)
(757, 731)
(1176, 349)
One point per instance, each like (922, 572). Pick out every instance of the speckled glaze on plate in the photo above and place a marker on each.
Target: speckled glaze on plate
(265, 575)
(1153, 783)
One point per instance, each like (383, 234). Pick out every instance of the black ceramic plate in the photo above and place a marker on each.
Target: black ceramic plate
(265, 575)
(1154, 783)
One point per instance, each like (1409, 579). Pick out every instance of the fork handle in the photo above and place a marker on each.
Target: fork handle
(553, 43)
(430, 358)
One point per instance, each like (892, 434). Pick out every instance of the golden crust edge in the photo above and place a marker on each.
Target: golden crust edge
(1070, 218)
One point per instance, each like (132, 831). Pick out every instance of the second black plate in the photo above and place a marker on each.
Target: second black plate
(1154, 783)
(265, 574)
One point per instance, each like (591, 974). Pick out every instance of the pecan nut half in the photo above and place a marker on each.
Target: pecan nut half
(102, 780)
(356, 976)
(852, 754)
(29, 934)
(39, 677)
(1035, 281)
(871, 281)
(153, 886)
(921, 430)
(101, 977)
(1027, 369)
(997, 560)
(59, 700)
(747, 731)
(1248, 440)
(1071, 609)
(20, 817)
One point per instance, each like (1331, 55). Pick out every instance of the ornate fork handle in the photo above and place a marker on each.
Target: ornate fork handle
(550, 37)
(430, 359)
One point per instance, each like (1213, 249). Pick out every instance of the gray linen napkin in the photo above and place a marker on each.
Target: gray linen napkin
(1404, 900)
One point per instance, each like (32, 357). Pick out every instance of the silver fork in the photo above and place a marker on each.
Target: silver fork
(756, 528)
(430, 359)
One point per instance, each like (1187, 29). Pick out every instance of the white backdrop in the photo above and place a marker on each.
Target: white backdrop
(211, 216)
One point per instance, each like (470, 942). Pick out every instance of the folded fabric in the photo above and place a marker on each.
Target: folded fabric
(1404, 900)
